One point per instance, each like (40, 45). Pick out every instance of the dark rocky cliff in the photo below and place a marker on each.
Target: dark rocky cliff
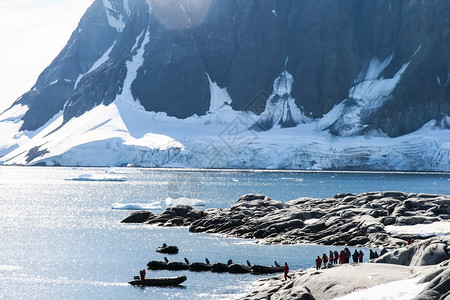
(244, 46)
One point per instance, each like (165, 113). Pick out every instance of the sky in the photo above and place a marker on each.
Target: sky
(32, 33)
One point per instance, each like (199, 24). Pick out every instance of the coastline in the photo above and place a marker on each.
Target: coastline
(346, 219)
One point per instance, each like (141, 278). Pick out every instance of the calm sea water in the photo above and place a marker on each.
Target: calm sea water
(61, 239)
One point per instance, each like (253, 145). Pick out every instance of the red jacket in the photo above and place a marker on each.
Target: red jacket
(318, 261)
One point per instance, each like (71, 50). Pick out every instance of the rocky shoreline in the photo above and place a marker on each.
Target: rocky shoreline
(426, 263)
(346, 219)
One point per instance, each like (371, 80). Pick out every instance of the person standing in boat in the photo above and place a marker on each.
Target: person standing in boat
(286, 271)
(142, 274)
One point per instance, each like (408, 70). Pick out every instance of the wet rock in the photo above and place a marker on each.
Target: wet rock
(352, 219)
(138, 217)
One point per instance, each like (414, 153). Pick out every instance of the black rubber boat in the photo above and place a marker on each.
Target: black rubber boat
(157, 265)
(219, 268)
(167, 249)
(258, 269)
(176, 265)
(199, 266)
(238, 269)
(167, 281)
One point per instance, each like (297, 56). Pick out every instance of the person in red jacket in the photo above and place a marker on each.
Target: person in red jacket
(142, 274)
(286, 271)
(318, 262)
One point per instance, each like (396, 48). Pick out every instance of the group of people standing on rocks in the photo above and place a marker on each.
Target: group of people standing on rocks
(342, 257)
(375, 254)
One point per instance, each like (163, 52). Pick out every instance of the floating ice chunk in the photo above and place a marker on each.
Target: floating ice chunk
(117, 170)
(97, 177)
(184, 201)
(291, 178)
(137, 206)
(274, 12)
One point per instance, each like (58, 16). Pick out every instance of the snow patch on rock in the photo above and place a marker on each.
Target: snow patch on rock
(115, 18)
(365, 97)
(219, 96)
(281, 109)
(104, 58)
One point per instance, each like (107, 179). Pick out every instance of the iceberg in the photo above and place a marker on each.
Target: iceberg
(184, 201)
(97, 177)
(137, 206)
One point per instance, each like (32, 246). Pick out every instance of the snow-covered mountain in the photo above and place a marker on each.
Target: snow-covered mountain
(243, 84)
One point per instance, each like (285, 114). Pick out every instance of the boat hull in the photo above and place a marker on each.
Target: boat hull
(167, 281)
(167, 250)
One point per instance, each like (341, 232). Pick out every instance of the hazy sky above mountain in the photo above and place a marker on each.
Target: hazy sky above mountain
(32, 33)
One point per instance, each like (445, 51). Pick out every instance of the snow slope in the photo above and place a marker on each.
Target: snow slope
(123, 133)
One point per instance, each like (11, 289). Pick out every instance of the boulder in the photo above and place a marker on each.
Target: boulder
(438, 288)
(138, 217)
(428, 252)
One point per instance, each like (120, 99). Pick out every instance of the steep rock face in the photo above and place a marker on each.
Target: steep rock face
(55, 84)
(162, 52)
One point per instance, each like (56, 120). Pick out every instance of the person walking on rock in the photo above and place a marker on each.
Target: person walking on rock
(348, 254)
(342, 257)
(355, 256)
(286, 271)
(318, 262)
(324, 260)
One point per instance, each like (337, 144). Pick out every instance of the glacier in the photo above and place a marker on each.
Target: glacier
(124, 134)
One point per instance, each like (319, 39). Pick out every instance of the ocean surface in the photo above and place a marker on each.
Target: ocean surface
(61, 239)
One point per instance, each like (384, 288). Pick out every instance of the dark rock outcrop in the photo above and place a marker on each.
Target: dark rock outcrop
(138, 217)
(345, 219)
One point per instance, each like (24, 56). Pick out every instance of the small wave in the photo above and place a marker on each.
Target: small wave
(294, 179)
(184, 201)
(10, 268)
(137, 206)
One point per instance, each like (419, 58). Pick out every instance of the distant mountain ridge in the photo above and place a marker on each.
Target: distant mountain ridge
(353, 68)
